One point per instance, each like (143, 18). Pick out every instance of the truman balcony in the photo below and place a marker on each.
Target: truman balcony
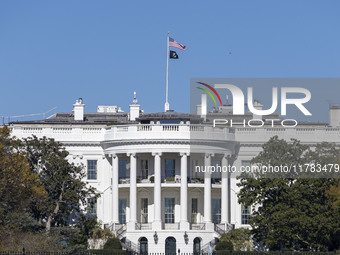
(153, 137)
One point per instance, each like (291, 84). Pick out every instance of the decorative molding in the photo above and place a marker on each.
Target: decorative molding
(82, 144)
(168, 141)
(184, 153)
(74, 156)
(156, 153)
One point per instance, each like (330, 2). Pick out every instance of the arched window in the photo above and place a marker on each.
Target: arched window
(170, 246)
(197, 246)
(143, 246)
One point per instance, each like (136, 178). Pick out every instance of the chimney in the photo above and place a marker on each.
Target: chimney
(134, 108)
(334, 116)
(78, 110)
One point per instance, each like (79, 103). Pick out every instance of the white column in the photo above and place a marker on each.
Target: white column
(184, 224)
(157, 221)
(133, 192)
(224, 192)
(207, 190)
(115, 191)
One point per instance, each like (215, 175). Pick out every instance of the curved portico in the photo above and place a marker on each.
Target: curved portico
(161, 147)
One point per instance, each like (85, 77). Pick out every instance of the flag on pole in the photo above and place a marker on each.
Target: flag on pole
(173, 54)
(173, 43)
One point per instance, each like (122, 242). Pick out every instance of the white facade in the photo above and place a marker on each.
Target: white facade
(148, 185)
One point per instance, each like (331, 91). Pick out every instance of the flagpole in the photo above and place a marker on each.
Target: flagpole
(166, 106)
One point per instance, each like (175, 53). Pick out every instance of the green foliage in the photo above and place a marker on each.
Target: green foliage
(99, 233)
(170, 179)
(112, 244)
(240, 238)
(85, 227)
(224, 245)
(152, 179)
(272, 253)
(40, 188)
(108, 252)
(37, 241)
(293, 213)
(17, 185)
(62, 181)
(111, 124)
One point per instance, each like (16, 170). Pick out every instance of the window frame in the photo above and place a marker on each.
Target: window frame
(172, 170)
(216, 215)
(245, 214)
(144, 210)
(122, 211)
(194, 215)
(144, 165)
(92, 206)
(169, 210)
(92, 174)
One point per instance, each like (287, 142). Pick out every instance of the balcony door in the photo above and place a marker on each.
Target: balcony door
(169, 210)
(194, 210)
(169, 168)
(144, 210)
(145, 168)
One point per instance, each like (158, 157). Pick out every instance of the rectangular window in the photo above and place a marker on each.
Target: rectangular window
(92, 169)
(216, 207)
(122, 211)
(169, 168)
(169, 210)
(92, 206)
(122, 169)
(144, 210)
(194, 210)
(245, 214)
(145, 168)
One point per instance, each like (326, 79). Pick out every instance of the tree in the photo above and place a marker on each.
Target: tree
(224, 246)
(17, 184)
(292, 213)
(240, 239)
(84, 226)
(112, 244)
(65, 189)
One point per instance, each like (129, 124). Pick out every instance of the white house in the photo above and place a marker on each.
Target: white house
(144, 166)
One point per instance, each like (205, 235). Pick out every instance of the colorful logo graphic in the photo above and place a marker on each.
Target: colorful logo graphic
(209, 93)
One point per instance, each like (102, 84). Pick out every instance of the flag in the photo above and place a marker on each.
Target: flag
(173, 54)
(173, 43)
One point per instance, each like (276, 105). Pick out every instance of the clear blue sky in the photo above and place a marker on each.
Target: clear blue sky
(52, 52)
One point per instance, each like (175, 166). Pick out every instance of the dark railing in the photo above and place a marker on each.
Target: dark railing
(131, 252)
(173, 179)
(130, 246)
(201, 180)
(120, 233)
(219, 230)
